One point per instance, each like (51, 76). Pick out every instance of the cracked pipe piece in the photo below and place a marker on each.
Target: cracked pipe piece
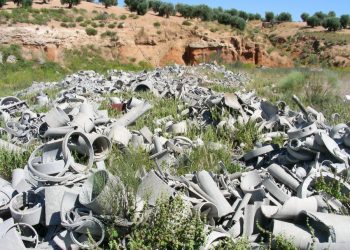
(299, 235)
(53, 200)
(151, 188)
(258, 152)
(133, 114)
(20, 236)
(291, 208)
(56, 117)
(251, 183)
(280, 174)
(27, 207)
(208, 185)
(178, 128)
(119, 134)
(103, 193)
(329, 227)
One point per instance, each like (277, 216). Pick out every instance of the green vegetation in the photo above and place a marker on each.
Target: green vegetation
(109, 3)
(2, 3)
(70, 3)
(304, 16)
(284, 17)
(186, 23)
(345, 21)
(332, 24)
(156, 24)
(11, 160)
(269, 16)
(91, 31)
(170, 226)
(85, 59)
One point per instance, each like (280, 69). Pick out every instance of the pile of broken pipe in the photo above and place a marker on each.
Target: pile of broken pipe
(58, 202)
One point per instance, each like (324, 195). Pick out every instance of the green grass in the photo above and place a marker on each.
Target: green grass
(10, 161)
(15, 77)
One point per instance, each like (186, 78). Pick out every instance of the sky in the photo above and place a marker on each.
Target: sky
(295, 7)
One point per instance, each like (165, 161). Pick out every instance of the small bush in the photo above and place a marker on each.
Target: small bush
(304, 16)
(159, 32)
(72, 25)
(169, 218)
(269, 16)
(214, 30)
(156, 24)
(65, 25)
(101, 25)
(94, 25)
(120, 25)
(292, 82)
(345, 21)
(91, 31)
(284, 17)
(186, 23)
(83, 24)
(123, 17)
(111, 26)
(332, 24)
(79, 19)
(313, 21)
(109, 33)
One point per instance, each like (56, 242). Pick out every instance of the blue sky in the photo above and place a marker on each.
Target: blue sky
(295, 7)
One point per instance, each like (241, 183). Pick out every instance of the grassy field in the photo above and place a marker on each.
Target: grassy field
(318, 89)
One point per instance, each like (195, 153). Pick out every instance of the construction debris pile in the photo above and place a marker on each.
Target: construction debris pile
(64, 195)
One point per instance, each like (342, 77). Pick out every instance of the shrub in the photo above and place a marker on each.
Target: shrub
(292, 82)
(166, 9)
(243, 15)
(91, 31)
(331, 23)
(108, 3)
(155, 5)
(156, 24)
(79, 19)
(269, 16)
(169, 218)
(304, 16)
(232, 12)
(320, 15)
(159, 32)
(83, 24)
(224, 18)
(238, 22)
(186, 23)
(26, 3)
(142, 8)
(331, 14)
(94, 25)
(123, 17)
(185, 10)
(111, 26)
(313, 21)
(109, 33)
(284, 17)
(345, 21)
(120, 25)
(70, 3)
(203, 12)
(72, 25)
(65, 25)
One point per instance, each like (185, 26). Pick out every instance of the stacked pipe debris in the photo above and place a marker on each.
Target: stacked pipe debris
(64, 195)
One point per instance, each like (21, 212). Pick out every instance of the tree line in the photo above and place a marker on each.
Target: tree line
(329, 21)
(235, 18)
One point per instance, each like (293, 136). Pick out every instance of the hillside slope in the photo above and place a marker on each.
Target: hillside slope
(46, 35)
